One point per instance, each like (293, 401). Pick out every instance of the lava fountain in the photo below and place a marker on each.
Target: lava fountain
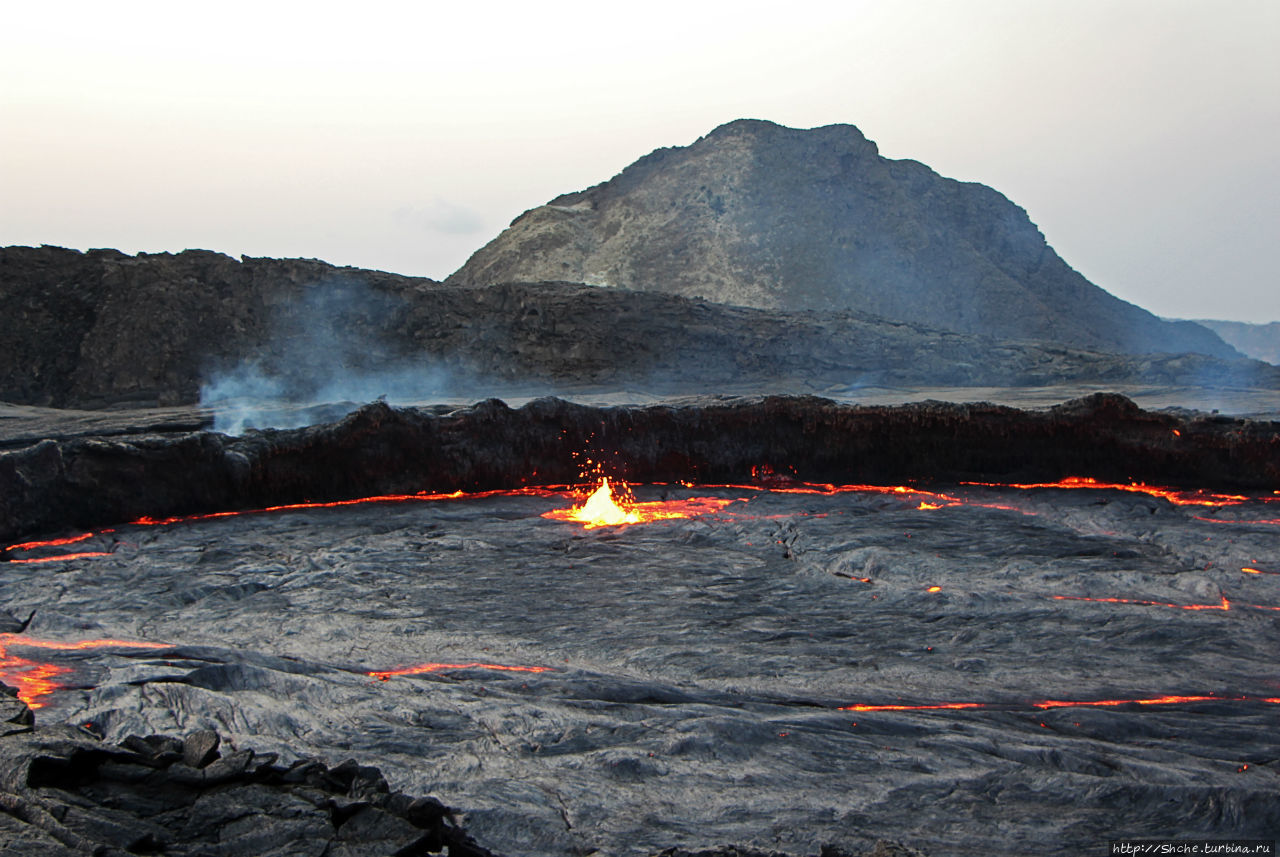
(610, 507)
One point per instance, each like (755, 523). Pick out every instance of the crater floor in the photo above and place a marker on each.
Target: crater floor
(777, 674)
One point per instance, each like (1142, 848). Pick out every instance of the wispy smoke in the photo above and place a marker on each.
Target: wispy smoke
(338, 346)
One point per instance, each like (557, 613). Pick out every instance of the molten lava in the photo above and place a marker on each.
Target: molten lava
(1224, 605)
(607, 507)
(37, 679)
(1173, 495)
(1045, 704)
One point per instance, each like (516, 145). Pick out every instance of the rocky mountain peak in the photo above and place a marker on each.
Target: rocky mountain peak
(757, 214)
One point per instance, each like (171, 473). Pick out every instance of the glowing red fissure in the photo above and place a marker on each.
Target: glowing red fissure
(37, 679)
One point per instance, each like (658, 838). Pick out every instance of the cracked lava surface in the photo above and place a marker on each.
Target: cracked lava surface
(969, 669)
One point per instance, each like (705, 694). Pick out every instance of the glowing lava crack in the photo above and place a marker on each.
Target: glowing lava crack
(37, 679)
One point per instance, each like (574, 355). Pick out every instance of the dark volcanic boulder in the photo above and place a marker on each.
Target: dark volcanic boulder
(64, 792)
(760, 215)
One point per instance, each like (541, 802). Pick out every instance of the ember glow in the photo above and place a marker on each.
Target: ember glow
(610, 507)
(37, 679)
(422, 669)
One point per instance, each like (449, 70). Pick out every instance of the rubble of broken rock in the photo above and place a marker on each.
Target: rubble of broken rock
(64, 791)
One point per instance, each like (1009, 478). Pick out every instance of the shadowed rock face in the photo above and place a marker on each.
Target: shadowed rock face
(760, 215)
(98, 328)
(380, 450)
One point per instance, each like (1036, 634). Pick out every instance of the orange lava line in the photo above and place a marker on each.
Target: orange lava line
(69, 540)
(1065, 703)
(934, 707)
(421, 669)
(36, 679)
(1225, 605)
(62, 557)
(1173, 495)
(1269, 522)
(1155, 700)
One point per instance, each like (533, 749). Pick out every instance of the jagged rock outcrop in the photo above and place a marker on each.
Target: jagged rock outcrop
(1259, 341)
(103, 328)
(378, 450)
(760, 215)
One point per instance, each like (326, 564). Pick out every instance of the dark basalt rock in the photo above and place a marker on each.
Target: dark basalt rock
(83, 482)
(62, 791)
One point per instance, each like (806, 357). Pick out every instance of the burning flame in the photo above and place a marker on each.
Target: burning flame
(607, 507)
(601, 510)
(36, 679)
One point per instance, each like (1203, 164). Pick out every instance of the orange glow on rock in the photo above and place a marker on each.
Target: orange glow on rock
(1046, 704)
(37, 679)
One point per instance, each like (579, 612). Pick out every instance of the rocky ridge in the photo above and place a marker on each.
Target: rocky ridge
(84, 481)
(756, 214)
(1259, 341)
(103, 328)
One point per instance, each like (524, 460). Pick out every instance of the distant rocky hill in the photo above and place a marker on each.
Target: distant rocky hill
(1259, 341)
(758, 215)
(103, 328)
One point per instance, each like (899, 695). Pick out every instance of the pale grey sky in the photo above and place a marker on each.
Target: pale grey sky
(1140, 135)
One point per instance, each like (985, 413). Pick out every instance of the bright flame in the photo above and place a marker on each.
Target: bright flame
(609, 508)
(601, 510)
(36, 679)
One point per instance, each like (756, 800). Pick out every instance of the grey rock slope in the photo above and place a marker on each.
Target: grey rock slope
(1259, 341)
(103, 328)
(760, 215)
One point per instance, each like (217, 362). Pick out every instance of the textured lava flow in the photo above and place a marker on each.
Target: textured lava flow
(37, 679)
